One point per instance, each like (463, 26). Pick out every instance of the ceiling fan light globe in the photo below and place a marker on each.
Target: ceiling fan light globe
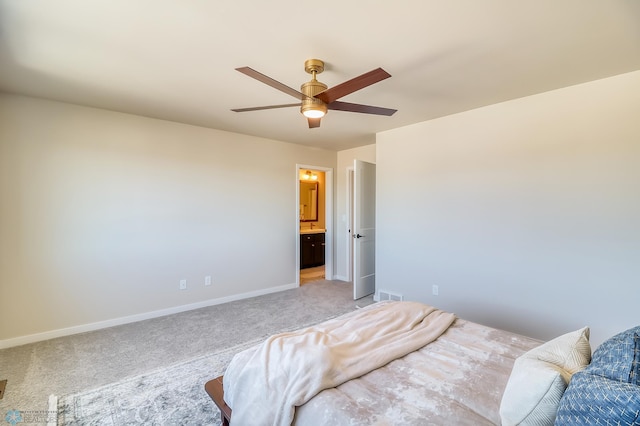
(313, 113)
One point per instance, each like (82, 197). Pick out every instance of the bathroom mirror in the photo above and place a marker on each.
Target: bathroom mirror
(308, 201)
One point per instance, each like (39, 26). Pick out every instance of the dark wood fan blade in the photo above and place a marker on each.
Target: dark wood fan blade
(366, 109)
(313, 122)
(350, 86)
(265, 107)
(271, 82)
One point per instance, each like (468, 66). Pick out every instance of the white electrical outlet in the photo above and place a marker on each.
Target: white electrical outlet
(435, 290)
(207, 280)
(183, 284)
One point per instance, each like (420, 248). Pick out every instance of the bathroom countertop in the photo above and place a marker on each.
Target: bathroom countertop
(312, 231)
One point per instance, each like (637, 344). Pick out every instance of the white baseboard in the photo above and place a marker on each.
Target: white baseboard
(339, 278)
(53, 408)
(38, 337)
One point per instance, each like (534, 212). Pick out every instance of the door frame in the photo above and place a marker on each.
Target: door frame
(328, 208)
(349, 216)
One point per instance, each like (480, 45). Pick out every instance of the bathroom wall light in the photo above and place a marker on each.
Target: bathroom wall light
(309, 176)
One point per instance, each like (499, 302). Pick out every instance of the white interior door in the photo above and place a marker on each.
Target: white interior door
(364, 229)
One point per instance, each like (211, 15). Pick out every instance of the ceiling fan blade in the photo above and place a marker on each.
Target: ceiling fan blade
(366, 109)
(313, 122)
(350, 86)
(271, 82)
(265, 107)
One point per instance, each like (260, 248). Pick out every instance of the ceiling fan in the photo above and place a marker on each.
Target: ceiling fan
(316, 98)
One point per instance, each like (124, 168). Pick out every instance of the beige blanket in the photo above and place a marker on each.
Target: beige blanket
(263, 385)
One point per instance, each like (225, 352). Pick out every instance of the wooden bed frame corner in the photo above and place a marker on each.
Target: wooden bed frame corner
(216, 392)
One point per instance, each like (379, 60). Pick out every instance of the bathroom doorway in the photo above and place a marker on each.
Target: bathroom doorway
(314, 223)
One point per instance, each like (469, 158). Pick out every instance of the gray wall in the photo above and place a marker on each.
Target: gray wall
(102, 214)
(526, 214)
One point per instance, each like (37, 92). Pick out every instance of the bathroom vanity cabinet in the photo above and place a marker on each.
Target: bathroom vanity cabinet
(311, 250)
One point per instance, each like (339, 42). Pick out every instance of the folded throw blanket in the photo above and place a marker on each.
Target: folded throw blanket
(264, 384)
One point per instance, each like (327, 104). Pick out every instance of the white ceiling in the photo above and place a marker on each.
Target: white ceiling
(175, 60)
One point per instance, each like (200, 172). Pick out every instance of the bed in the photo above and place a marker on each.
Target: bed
(469, 374)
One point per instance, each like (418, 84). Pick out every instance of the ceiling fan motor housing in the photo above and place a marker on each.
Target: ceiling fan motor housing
(312, 88)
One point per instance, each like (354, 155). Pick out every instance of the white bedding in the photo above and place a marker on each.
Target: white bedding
(457, 379)
(263, 385)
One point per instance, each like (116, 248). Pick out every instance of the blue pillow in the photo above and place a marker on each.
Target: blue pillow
(635, 370)
(596, 400)
(618, 357)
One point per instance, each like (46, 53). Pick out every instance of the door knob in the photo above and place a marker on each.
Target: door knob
(358, 236)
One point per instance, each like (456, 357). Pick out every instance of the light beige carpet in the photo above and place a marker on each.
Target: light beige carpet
(173, 395)
(88, 361)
